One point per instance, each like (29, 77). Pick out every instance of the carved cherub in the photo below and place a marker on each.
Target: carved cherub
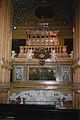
(53, 56)
(29, 54)
(13, 54)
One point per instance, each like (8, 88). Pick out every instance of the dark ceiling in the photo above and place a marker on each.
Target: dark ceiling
(31, 11)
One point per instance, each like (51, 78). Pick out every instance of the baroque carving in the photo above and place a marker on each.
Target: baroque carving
(49, 97)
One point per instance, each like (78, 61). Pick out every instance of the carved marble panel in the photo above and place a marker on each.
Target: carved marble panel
(18, 73)
(42, 73)
(48, 97)
(66, 74)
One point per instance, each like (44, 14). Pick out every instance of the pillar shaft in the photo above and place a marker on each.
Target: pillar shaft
(76, 50)
(5, 41)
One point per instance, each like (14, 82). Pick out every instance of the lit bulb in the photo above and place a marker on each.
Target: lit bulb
(14, 27)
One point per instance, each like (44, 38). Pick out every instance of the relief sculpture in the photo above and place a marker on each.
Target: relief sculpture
(18, 73)
(65, 74)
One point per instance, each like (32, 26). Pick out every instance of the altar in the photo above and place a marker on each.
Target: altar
(42, 59)
(42, 71)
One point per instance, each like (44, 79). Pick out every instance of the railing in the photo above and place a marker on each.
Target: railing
(58, 49)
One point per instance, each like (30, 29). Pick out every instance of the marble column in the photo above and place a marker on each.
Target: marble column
(5, 41)
(76, 49)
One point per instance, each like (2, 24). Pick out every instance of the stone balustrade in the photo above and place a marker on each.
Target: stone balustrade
(58, 49)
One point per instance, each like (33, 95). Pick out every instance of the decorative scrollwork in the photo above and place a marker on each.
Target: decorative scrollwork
(42, 53)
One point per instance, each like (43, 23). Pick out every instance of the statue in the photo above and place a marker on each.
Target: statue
(53, 56)
(71, 55)
(29, 55)
(13, 54)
